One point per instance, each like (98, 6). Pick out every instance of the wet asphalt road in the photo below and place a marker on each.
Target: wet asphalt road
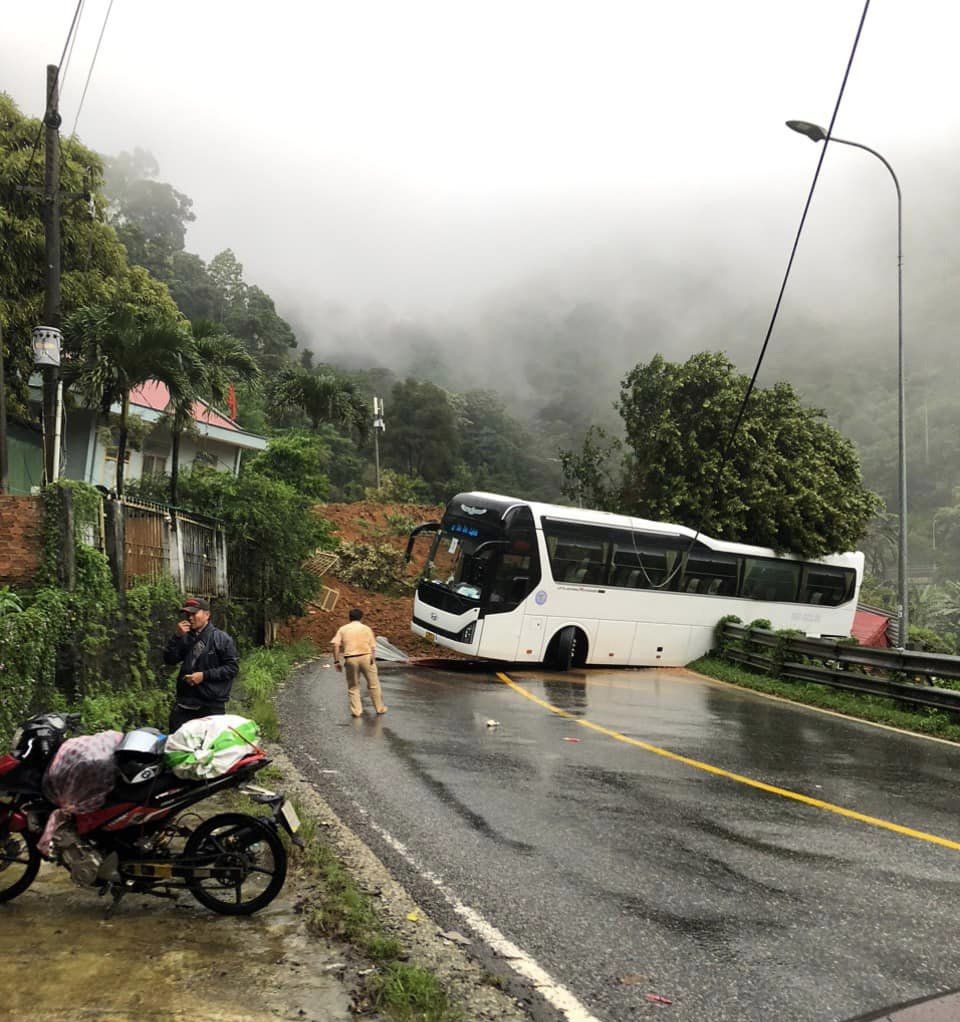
(602, 860)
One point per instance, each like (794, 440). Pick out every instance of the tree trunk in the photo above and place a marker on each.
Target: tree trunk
(122, 443)
(175, 462)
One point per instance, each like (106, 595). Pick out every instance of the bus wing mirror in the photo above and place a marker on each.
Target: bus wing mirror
(426, 527)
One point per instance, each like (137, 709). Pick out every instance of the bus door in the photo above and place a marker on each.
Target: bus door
(511, 621)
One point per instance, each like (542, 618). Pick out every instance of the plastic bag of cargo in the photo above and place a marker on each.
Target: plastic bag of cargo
(79, 778)
(208, 747)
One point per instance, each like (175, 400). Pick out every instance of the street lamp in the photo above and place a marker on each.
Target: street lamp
(816, 134)
(47, 344)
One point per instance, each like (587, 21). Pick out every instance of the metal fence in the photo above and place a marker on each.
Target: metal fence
(199, 546)
(907, 675)
(159, 540)
(146, 551)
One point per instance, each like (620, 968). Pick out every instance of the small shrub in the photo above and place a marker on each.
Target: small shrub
(396, 488)
(378, 567)
(410, 992)
(929, 641)
(125, 710)
(401, 524)
(10, 603)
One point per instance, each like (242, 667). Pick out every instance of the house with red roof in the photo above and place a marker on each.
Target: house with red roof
(89, 449)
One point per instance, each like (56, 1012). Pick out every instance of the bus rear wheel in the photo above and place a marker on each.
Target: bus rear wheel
(568, 649)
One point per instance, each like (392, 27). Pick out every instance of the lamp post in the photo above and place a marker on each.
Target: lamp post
(47, 344)
(816, 134)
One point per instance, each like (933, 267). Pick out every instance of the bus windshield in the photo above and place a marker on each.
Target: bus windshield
(460, 564)
(493, 566)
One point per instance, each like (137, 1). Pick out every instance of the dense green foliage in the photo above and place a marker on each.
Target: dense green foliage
(95, 266)
(322, 395)
(82, 648)
(271, 530)
(151, 219)
(297, 458)
(790, 481)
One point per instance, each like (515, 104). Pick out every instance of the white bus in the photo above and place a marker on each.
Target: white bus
(520, 581)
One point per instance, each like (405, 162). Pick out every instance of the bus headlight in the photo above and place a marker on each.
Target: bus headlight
(466, 634)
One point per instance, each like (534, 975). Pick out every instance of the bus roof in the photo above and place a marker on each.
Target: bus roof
(585, 516)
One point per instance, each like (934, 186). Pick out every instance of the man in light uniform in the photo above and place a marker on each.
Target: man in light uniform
(354, 648)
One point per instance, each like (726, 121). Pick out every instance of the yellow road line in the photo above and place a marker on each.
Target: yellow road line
(709, 768)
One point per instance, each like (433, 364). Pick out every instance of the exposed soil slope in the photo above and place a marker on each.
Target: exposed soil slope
(389, 616)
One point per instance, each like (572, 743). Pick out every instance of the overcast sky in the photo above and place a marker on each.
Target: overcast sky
(419, 157)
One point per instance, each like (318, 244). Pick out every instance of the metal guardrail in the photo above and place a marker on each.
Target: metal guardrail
(840, 662)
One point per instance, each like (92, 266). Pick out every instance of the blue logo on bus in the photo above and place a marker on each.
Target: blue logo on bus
(464, 530)
(540, 598)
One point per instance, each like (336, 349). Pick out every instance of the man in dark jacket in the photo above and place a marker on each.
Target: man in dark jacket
(209, 663)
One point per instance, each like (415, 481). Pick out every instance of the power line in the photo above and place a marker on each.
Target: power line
(73, 25)
(53, 86)
(793, 250)
(93, 62)
(724, 458)
(73, 41)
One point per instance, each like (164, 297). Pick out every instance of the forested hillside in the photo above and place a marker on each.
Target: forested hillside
(492, 400)
(504, 396)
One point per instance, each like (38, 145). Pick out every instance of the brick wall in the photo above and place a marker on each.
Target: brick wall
(21, 538)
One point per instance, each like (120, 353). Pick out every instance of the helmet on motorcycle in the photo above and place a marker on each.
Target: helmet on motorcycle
(39, 738)
(139, 756)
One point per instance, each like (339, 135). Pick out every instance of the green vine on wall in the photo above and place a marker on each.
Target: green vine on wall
(81, 649)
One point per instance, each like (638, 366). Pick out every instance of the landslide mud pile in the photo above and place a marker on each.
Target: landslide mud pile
(387, 614)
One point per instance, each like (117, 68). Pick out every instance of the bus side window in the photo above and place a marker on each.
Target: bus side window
(826, 585)
(578, 553)
(770, 580)
(711, 573)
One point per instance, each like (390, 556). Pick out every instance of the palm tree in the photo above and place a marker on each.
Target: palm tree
(945, 610)
(118, 350)
(322, 396)
(881, 543)
(215, 362)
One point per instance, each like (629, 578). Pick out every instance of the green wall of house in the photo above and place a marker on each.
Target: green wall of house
(25, 459)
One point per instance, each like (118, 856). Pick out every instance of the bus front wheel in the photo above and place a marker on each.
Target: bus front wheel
(569, 648)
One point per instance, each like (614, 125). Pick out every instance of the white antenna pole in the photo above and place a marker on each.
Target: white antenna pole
(378, 427)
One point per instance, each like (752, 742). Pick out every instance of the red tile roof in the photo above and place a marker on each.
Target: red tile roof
(154, 395)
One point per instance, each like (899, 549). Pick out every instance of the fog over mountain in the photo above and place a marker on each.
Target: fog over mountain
(535, 197)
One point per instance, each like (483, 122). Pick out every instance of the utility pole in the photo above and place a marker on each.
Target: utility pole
(378, 428)
(51, 304)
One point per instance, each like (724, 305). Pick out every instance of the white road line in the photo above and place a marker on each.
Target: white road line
(518, 960)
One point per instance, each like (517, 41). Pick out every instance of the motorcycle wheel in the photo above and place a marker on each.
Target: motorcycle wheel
(232, 842)
(19, 865)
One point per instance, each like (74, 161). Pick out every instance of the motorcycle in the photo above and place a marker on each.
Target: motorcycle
(142, 840)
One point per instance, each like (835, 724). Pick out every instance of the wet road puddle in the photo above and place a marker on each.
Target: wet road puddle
(159, 960)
